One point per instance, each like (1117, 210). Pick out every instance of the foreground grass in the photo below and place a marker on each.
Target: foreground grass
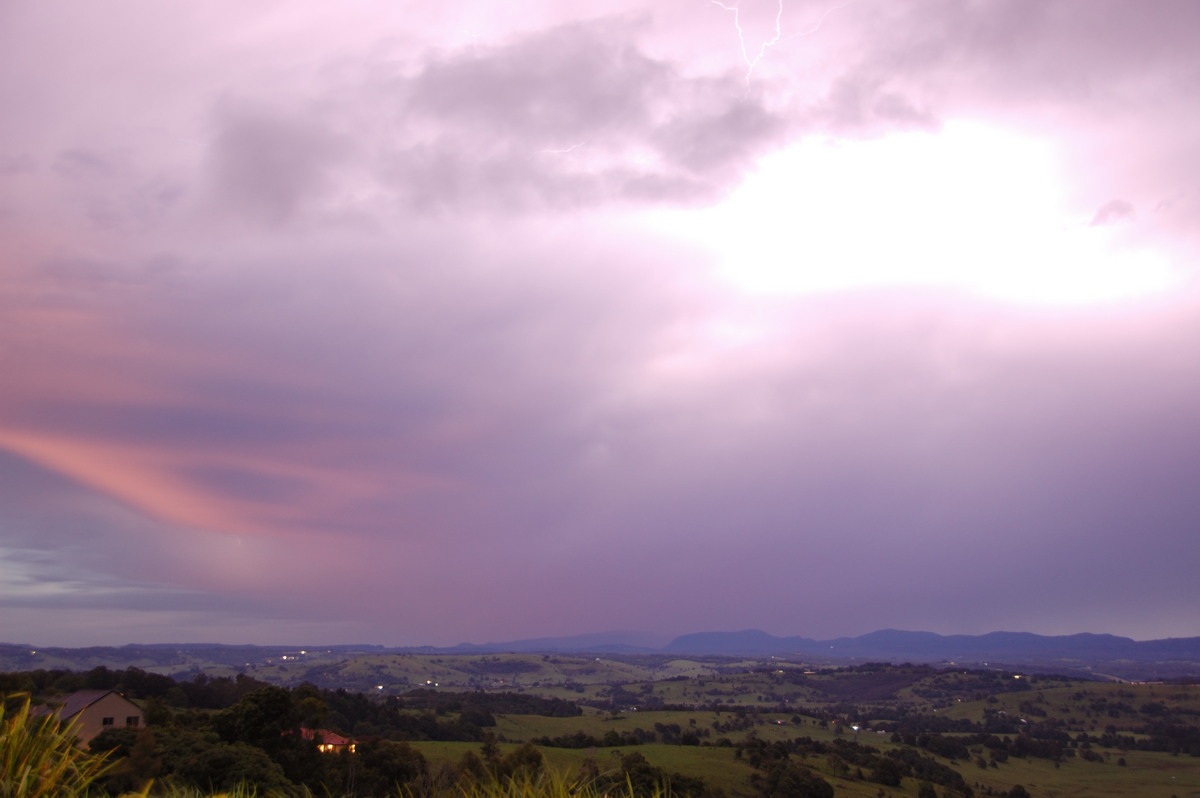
(38, 757)
(545, 785)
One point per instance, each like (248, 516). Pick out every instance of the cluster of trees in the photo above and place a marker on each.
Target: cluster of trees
(258, 741)
(666, 733)
(494, 666)
(202, 692)
(610, 739)
(1174, 738)
(216, 733)
(644, 779)
(457, 717)
(504, 703)
(852, 760)
(977, 685)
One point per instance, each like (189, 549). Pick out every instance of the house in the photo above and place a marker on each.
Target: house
(93, 711)
(329, 742)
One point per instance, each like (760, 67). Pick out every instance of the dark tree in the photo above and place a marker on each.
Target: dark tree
(380, 767)
(887, 772)
(789, 780)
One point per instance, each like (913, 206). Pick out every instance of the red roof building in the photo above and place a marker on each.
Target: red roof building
(329, 742)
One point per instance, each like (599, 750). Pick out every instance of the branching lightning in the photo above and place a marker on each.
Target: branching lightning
(752, 62)
(820, 21)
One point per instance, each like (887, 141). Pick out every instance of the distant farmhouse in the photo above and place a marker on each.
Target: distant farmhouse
(93, 711)
(329, 742)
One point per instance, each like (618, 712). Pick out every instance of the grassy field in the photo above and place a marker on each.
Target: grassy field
(1147, 775)
(1071, 704)
(716, 766)
(1089, 706)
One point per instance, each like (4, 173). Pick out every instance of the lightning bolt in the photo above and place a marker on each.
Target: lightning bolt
(567, 150)
(752, 62)
(819, 23)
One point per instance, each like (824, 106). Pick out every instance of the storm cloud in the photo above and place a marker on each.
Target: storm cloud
(351, 325)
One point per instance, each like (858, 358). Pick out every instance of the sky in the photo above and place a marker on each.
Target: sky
(427, 323)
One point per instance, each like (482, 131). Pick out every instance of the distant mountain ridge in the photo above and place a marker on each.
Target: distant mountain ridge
(1101, 654)
(606, 642)
(895, 644)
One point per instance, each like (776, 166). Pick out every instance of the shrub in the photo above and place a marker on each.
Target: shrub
(39, 758)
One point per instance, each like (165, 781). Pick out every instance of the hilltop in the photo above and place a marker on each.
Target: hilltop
(1085, 655)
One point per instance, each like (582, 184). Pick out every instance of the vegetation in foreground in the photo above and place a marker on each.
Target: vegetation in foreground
(745, 731)
(40, 759)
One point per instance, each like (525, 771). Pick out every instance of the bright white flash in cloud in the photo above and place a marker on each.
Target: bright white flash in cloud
(968, 208)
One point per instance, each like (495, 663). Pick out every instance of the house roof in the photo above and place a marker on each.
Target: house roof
(325, 736)
(75, 703)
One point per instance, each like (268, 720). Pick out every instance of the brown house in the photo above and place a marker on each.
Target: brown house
(93, 711)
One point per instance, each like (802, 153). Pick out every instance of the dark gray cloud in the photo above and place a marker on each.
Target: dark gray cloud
(268, 163)
(551, 88)
(569, 117)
